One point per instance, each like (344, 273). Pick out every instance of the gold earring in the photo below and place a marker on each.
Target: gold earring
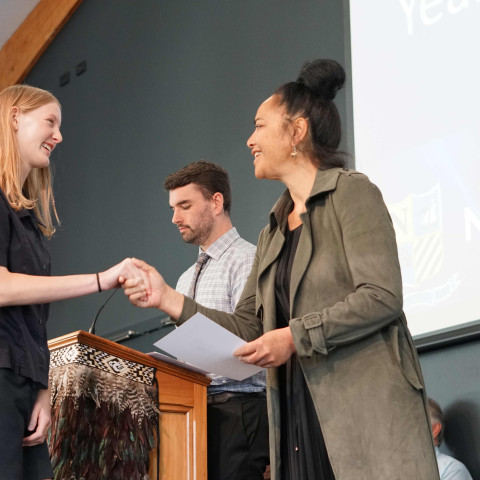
(294, 154)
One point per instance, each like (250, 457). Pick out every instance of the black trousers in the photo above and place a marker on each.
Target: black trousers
(17, 397)
(238, 438)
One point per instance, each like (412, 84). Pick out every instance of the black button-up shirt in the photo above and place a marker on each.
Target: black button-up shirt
(23, 335)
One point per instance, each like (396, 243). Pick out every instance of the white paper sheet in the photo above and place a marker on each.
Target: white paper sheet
(208, 346)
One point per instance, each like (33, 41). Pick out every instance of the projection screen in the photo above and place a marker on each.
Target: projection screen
(416, 113)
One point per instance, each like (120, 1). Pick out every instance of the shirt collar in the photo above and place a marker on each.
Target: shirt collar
(23, 212)
(217, 248)
(325, 181)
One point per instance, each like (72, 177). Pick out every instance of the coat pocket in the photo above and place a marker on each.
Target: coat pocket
(403, 356)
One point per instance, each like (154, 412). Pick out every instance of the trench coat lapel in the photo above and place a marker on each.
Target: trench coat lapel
(325, 181)
(276, 227)
(272, 253)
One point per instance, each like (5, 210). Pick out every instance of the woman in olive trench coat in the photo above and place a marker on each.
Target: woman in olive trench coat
(346, 322)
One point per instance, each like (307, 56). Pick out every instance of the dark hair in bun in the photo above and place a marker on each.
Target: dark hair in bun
(311, 97)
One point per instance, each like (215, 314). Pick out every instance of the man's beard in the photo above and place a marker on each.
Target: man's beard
(201, 231)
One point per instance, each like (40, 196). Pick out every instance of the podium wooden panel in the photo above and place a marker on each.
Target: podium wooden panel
(183, 407)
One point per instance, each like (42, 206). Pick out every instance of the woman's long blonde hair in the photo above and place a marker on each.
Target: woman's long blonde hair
(36, 193)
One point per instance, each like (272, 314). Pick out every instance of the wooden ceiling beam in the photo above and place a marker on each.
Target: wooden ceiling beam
(32, 37)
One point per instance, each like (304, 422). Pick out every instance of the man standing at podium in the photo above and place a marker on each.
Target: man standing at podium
(237, 420)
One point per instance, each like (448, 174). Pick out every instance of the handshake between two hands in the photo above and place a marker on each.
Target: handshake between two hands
(141, 283)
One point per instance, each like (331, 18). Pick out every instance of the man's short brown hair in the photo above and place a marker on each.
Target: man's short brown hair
(208, 176)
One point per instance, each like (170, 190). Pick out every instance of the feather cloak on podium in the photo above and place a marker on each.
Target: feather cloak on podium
(104, 415)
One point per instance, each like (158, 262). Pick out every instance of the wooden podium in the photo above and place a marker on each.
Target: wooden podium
(182, 401)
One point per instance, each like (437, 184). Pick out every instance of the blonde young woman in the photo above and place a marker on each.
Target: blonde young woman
(30, 120)
(346, 398)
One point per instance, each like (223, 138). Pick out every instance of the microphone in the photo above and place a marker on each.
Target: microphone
(140, 329)
(92, 327)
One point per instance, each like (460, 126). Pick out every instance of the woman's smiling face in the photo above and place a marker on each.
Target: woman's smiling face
(271, 142)
(37, 132)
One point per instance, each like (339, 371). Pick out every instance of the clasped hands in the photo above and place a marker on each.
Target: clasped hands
(146, 288)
